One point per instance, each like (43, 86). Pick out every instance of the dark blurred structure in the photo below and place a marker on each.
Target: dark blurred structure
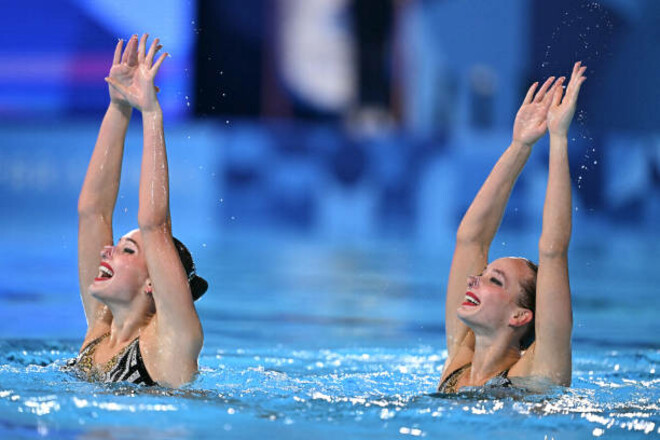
(229, 57)
(373, 23)
(270, 106)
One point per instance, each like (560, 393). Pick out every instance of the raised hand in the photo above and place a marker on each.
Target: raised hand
(132, 74)
(560, 112)
(531, 120)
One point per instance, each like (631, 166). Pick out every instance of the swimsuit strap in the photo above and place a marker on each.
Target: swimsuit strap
(85, 361)
(449, 384)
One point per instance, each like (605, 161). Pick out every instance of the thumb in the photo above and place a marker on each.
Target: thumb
(117, 86)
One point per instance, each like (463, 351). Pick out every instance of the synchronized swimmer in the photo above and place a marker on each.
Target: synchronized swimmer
(138, 295)
(511, 320)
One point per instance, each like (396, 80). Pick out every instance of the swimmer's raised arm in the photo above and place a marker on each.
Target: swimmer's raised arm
(554, 318)
(98, 195)
(481, 221)
(179, 332)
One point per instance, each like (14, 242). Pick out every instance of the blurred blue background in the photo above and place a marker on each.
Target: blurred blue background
(320, 120)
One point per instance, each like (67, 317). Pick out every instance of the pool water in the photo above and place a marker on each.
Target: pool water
(309, 339)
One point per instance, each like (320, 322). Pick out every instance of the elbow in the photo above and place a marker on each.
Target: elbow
(549, 248)
(466, 236)
(88, 209)
(149, 221)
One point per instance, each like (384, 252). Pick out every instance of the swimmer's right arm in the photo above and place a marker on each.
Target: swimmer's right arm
(482, 219)
(554, 316)
(98, 195)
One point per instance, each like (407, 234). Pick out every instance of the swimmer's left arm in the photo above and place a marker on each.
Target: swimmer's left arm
(554, 316)
(177, 324)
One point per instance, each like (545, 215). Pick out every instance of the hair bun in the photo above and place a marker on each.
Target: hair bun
(198, 287)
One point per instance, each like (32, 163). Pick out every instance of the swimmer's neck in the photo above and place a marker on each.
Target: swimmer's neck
(492, 355)
(126, 324)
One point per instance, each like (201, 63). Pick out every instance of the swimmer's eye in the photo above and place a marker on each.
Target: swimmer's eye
(129, 251)
(496, 281)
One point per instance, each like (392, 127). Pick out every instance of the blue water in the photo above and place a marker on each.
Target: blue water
(309, 339)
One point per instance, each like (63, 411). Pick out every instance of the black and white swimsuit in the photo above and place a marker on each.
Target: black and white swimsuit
(125, 366)
(449, 384)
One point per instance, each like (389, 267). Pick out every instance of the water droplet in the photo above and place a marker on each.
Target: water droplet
(233, 217)
(227, 121)
(595, 162)
(222, 200)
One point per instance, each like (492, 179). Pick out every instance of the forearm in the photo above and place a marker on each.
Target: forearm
(99, 191)
(154, 181)
(481, 221)
(556, 232)
(554, 314)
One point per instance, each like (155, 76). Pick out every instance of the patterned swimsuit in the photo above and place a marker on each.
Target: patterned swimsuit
(125, 366)
(449, 385)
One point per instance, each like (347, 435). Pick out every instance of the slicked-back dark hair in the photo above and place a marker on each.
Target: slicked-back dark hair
(528, 301)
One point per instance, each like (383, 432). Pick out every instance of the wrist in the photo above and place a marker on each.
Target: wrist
(521, 144)
(122, 107)
(153, 110)
(558, 134)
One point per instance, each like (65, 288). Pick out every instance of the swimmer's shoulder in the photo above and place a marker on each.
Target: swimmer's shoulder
(462, 356)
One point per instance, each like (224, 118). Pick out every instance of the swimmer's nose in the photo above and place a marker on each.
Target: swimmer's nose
(472, 281)
(106, 252)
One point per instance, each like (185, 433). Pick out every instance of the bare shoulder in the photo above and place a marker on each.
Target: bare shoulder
(100, 327)
(462, 356)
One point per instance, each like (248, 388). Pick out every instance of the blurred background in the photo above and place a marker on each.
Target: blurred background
(334, 121)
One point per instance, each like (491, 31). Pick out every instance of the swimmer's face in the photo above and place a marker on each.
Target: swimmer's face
(491, 297)
(122, 271)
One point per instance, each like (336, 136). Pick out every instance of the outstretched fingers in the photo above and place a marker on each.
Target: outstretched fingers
(544, 88)
(556, 99)
(576, 69)
(530, 93)
(130, 53)
(153, 50)
(117, 57)
(577, 78)
(142, 48)
(124, 57)
(158, 62)
(547, 99)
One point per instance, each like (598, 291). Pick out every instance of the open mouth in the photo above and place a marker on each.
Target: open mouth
(471, 300)
(105, 272)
